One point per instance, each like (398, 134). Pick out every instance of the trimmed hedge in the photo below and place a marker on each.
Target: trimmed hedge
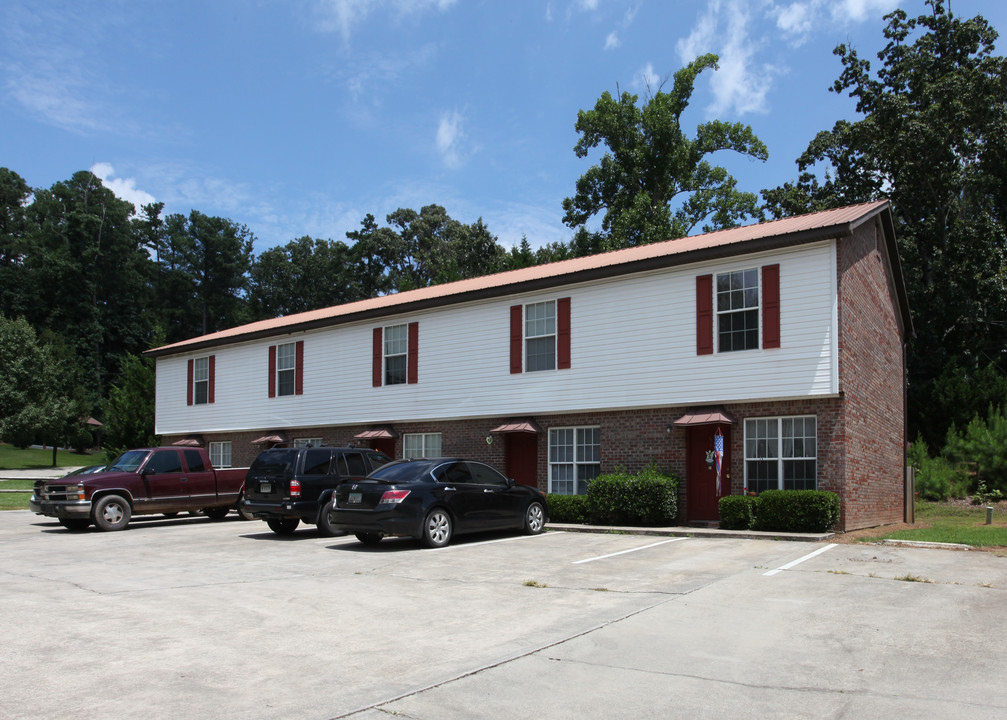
(737, 512)
(620, 498)
(567, 508)
(796, 510)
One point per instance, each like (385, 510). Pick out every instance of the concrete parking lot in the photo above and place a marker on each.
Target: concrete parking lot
(186, 618)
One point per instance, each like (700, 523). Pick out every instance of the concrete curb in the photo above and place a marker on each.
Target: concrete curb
(691, 532)
(927, 544)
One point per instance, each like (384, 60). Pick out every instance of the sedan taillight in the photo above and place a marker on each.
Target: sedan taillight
(295, 488)
(393, 496)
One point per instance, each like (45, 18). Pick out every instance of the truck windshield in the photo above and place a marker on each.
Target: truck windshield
(128, 461)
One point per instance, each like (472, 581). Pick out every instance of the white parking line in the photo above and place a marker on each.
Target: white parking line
(485, 542)
(799, 560)
(623, 552)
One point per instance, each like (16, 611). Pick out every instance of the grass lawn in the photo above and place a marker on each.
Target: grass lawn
(949, 522)
(12, 458)
(18, 500)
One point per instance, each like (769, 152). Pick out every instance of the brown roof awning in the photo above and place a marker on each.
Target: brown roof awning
(521, 426)
(274, 438)
(189, 442)
(377, 434)
(92, 421)
(704, 417)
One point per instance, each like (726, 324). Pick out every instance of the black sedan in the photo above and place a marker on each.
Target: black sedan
(433, 499)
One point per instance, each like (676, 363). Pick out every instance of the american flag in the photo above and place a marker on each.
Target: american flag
(718, 455)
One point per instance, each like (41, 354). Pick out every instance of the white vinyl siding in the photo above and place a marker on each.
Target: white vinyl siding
(634, 339)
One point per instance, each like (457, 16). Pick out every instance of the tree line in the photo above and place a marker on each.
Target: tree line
(99, 281)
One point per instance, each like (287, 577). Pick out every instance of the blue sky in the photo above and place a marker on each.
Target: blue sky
(299, 117)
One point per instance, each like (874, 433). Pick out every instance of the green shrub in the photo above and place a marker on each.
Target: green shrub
(983, 445)
(796, 510)
(620, 498)
(567, 508)
(737, 512)
(936, 478)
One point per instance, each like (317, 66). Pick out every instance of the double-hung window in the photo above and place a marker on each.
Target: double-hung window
(201, 381)
(781, 453)
(418, 445)
(738, 310)
(286, 368)
(540, 336)
(220, 454)
(396, 352)
(574, 459)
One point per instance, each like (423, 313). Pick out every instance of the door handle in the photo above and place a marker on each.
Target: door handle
(185, 479)
(449, 489)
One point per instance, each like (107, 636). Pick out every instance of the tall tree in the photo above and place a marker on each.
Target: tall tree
(39, 401)
(305, 274)
(14, 196)
(651, 162)
(129, 408)
(932, 138)
(205, 263)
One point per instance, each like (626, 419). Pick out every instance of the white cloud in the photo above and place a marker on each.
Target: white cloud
(343, 15)
(449, 139)
(846, 11)
(741, 83)
(799, 18)
(646, 80)
(124, 188)
(612, 41)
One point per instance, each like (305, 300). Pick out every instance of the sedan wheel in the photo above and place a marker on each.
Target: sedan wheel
(437, 529)
(534, 519)
(368, 538)
(324, 524)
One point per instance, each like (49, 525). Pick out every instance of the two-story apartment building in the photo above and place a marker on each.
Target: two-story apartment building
(782, 343)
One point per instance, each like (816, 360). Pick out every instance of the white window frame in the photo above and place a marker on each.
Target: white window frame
(418, 445)
(220, 454)
(576, 452)
(540, 328)
(746, 304)
(395, 346)
(766, 443)
(286, 369)
(201, 381)
(307, 442)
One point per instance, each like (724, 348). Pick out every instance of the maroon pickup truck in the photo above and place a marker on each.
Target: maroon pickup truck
(140, 482)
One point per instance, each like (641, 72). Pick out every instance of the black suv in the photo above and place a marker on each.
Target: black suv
(287, 485)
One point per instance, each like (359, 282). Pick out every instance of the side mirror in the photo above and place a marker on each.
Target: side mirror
(510, 483)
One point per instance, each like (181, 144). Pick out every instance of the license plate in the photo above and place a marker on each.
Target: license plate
(265, 487)
(355, 498)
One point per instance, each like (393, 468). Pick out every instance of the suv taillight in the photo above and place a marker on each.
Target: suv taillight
(393, 496)
(295, 488)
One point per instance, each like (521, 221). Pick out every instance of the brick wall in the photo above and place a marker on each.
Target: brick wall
(871, 378)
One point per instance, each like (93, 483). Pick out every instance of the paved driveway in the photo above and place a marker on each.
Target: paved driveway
(188, 618)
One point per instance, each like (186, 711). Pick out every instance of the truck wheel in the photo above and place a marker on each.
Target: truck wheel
(112, 512)
(283, 527)
(74, 524)
(325, 527)
(216, 513)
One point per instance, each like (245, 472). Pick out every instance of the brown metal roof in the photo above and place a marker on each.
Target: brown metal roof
(518, 426)
(839, 222)
(377, 433)
(705, 417)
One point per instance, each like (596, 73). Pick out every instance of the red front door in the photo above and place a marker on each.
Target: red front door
(521, 457)
(702, 496)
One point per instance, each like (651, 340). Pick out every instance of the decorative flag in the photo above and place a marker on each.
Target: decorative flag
(718, 455)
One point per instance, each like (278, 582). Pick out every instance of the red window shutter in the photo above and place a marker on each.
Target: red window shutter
(213, 377)
(299, 368)
(704, 315)
(771, 306)
(377, 353)
(563, 334)
(188, 384)
(272, 371)
(516, 337)
(413, 359)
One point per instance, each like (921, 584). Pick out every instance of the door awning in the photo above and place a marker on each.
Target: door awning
(194, 441)
(518, 426)
(704, 417)
(384, 433)
(272, 438)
